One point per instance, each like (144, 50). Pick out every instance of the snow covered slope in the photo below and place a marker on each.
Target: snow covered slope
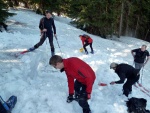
(42, 89)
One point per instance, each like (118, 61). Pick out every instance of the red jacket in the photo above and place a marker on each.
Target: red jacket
(79, 70)
(88, 40)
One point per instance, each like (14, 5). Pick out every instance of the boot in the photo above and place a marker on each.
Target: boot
(92, 52)
(86, 111)
(86, 52)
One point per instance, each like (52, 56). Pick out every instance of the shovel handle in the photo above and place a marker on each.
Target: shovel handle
(102, 84)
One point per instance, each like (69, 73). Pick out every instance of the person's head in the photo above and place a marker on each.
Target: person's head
(113, 65)
(80, 36)
(48, 14)
(143, 48)
(56, 61)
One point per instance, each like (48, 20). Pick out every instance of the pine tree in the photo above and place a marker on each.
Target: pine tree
(4, 11)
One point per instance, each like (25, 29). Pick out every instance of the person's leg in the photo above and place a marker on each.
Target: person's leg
(80, 90)
(84, 104)
(77, 87)
(91, 48)
(51, 43)
(138, 65)
(84, 46)
(127, 88)
(43, 37)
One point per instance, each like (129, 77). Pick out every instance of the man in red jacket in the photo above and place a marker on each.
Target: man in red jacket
(83, 75)
(86, 40)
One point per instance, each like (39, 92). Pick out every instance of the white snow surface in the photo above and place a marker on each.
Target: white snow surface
(42, 89)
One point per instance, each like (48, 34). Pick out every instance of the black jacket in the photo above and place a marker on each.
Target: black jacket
(126, 71)
(47, 24)
(140, 55)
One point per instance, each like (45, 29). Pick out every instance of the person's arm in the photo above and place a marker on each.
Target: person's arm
(147, 59)
(82, 41)
(41, 27)
(121, 81)
(89, 81)
(54, 27)
(70, 84)
(134, 51)
(122, 78)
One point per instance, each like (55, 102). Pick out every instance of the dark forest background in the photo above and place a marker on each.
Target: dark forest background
(100, 17)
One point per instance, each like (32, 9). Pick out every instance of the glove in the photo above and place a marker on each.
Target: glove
(88, 96)
(112, 83)
(70, 98)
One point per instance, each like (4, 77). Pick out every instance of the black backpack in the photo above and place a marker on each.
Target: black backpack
(137, 105)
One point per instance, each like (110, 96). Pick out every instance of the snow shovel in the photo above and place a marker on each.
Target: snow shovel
(81, 49)
(102, 84)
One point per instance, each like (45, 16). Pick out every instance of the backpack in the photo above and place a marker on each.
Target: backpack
(86, 37)
(137, 105)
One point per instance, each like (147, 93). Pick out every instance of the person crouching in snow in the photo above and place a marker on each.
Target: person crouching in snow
(128, 72)
(86, 40)
(83, 75)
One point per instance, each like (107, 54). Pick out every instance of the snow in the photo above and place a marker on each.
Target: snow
(42, 89)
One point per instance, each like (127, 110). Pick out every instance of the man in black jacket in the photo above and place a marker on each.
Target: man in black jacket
(46, 25)
(141, 56)
(128, 72)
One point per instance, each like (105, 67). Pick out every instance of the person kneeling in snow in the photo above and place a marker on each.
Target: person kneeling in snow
(83, 75)
(6, 107)
(125, 71)
(86, 40)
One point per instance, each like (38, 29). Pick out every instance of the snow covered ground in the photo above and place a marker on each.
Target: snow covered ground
(42, 89)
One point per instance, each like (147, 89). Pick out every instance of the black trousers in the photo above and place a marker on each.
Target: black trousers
(86, 44)
(127, 87)
(43, 38)
(80, 89)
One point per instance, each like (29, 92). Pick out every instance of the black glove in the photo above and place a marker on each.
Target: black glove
(70, 98)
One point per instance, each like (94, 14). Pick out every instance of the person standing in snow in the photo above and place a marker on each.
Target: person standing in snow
(141, 57)
(83, 75)
(86, 40)
(128, 72)
(46, 25)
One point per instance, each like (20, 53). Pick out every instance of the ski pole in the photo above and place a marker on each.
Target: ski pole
(142, 75)
(58, 44)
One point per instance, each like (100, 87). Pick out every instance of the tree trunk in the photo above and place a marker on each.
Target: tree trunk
(121, 19)
(25, 4)
(137, 24)
(16, 3)
(146, 34)
(127, 20)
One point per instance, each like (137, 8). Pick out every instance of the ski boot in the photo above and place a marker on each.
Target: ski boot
(86, 52)
(92, 52)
